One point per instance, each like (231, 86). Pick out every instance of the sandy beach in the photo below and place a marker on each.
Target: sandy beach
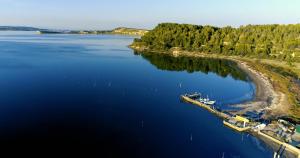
(266, 98)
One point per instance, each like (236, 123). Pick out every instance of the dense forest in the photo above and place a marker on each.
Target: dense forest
(220, 67)
(263, 41)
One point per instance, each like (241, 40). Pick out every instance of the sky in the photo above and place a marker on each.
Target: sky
(108, 14)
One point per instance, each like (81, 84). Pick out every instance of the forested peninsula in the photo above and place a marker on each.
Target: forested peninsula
(263, 41)
(271, 53)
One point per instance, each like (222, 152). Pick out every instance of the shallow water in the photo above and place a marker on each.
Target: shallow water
(91, 94)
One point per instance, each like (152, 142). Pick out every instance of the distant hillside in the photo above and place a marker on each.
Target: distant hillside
(130, 31)
(263, 41)
(120, 30)
(18, 28)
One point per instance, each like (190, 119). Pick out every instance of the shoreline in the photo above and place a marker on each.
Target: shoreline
(267, 99)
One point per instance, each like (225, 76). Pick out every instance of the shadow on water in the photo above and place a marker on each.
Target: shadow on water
(221, 67)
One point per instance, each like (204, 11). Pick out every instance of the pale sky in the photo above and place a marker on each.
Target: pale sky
(107, 14)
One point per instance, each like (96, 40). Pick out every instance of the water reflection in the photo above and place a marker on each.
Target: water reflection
(220, 67)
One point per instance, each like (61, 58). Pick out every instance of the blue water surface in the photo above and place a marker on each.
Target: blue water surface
(92, 94)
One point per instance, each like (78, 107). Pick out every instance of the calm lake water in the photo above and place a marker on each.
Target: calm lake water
(91, 94)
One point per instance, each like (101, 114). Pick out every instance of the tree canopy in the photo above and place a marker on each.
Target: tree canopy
(263, 41)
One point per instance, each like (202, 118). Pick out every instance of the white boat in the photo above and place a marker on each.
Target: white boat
(206, 101)
(197, 96)
(210, 102)
(193, 95)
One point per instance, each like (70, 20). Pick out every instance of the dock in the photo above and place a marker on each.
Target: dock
(206, 107)
(249, 128)
(225, 117)
(288, 147)
(240, 129)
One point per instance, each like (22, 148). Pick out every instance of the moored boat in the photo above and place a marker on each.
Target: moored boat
(207, 101)
(197, 97)
(194, 95)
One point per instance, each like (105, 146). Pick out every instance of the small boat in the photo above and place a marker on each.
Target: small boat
(197, 97)
(210, 102)
(206, 101)
(193, 95)
(201, 100)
